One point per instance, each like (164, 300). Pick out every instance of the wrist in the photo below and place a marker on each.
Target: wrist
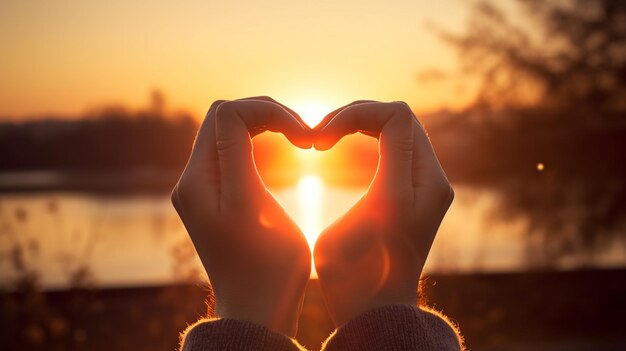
(273, 319)
(397, 327)
(234, 334)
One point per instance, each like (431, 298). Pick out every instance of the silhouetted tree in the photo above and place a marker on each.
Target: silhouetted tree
(548, 127)
(108, 140)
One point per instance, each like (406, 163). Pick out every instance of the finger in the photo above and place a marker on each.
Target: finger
(201, 174)
(393, 122)
(303, 141)
(332, 115)
(203, 160)
(427, 170)
(234, 120)
(364, 116)
(270, 99)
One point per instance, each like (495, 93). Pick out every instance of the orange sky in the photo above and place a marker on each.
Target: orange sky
(65, 56)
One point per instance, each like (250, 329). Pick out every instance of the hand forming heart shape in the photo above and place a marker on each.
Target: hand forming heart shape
(257, 258)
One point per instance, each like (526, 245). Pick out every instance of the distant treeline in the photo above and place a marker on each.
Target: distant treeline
(477, 147)
(114, 141)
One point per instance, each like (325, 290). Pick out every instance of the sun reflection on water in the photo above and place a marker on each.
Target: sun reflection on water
(310, 188)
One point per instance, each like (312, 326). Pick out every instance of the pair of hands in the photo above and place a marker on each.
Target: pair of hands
(256, 257)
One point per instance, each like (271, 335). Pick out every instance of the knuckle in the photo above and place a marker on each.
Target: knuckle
(265, 98)
(226, 146)
(258, 98)
(218, 102)
(451, 194)
(226, 107)
(402, 107)
(182, 193)
(174, 197)
(402, 111)
(356, 102)
(445, 192)
(215, 105)
(443, 188)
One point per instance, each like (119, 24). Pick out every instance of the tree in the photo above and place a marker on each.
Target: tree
(569, 51)
(548, 126)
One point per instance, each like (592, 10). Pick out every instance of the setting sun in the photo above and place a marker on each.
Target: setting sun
(312, 112)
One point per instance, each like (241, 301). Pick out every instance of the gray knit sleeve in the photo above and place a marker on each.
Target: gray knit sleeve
(396, 327)
(234, 335)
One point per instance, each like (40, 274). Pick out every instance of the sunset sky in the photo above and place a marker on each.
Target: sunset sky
(66, 56)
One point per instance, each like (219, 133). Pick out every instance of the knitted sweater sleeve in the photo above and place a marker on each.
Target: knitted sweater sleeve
(234, 335)
(396, 327)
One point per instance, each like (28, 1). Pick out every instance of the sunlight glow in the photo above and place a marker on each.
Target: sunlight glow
(310, 190)
(311, 112)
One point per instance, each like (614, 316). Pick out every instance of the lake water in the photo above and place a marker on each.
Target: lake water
(139, 240)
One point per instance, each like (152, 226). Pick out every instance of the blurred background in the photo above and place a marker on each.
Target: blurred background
(524, 101)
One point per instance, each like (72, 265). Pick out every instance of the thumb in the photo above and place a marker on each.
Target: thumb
(235, 120)
(392, 124)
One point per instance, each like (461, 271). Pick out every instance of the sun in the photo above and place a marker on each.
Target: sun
(311, 112)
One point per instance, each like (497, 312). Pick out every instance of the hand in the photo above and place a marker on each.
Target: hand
(257, 259)
(373, 256)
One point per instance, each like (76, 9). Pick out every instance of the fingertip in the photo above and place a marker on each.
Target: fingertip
(304, 139)
(322, 141)
(320, 147)
(305, 146)
(323, 144)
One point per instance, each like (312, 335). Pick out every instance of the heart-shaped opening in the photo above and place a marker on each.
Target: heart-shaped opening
(316, 187)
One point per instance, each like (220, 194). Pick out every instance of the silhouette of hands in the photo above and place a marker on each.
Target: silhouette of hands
(373, 255)
(256, 257)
